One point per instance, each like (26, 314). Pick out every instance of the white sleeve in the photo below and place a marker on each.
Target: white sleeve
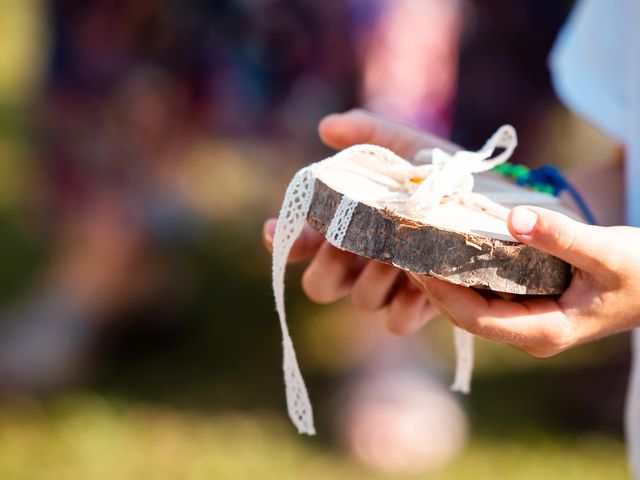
(590, 61)
(595, 66)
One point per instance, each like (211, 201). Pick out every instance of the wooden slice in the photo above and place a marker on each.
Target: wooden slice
(455, 243)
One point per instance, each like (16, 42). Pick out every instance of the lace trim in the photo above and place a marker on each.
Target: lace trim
(463, 342)
(341, 221)
(291, 221)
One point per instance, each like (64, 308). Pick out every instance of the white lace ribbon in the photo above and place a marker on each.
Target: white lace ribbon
(291, 221)
(341, 221)
(447, 176)
(463, 343)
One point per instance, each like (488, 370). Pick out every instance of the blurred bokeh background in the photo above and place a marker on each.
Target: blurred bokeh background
(142, 145)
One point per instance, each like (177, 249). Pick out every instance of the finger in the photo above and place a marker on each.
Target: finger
(460, 304)
(305, 246)
(373, 287)
(330, 275)
(409, 310)
(579, 244)
(536, 326)
(341, 130)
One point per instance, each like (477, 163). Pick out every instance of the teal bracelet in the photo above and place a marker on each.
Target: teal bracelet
(522, 175)
(545, 179)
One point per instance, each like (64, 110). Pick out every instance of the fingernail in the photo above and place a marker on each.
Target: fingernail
(523, 220)
(270, 229)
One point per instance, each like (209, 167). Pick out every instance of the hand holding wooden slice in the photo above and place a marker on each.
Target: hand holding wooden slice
(464, 242)
(435, 219)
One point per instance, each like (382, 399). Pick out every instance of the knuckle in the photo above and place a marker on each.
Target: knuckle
(403, 316)
(487, 329)
(314, 288)
(362, 301)
(474, 326)
(358, 301)
(361, 112)
(567, 337)
(398, 326)
(485, 326)
(558, 339)
(310, 292)
(541, 354)
(365, 296)
(613, 260)
(561, 235)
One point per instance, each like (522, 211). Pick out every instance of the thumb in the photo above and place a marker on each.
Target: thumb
(341, 130)
(574, 242)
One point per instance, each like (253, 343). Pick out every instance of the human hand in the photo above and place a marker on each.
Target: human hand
(602, 298)
(334, 273)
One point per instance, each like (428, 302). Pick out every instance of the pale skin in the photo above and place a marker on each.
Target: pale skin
(602, 299)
